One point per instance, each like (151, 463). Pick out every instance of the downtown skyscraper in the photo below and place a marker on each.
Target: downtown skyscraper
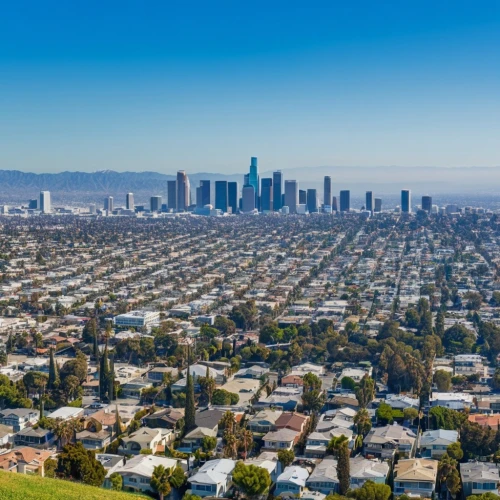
(232, 196)
(182, 191)
(221, 198)
(266, 195)
(253, 179)
(406, 201)
(277, 190)
(291, 195)
(327, 191)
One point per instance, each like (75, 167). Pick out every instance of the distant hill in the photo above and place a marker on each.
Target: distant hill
(85, 187)
(30, 487)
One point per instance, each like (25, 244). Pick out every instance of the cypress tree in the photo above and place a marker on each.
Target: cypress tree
(104, 375)
(343, 469)
(111, 390)
(53, 371)
(96, 348)
(118, 424)
(234, 347)
(189, 416)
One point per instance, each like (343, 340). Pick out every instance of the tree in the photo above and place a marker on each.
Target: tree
(455, 451)
(453, 483)
(177, 477)
(160, 481)
(410, 414)
(442, 379)
(221, 397)
(286, 457)
(189, 416)
(116, 481)
(207, 385)
(78, 464)
(336, 443)
(343, 468)
(104, 376)
(372, 491)
(384, 413)
(439, 325)
(348, 383)
(245, 437)
(363, 421)
(49, 468)
(366, 391)
(190, 496)
(53, 381)
(208, 443)
(252, 480)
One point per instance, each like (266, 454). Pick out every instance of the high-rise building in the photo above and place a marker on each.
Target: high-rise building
(334, 204)
(327, 191)
(221, 195)
(155, 203)
(232, 196)
(253, 179)
(129, 201)
(405, 200)
(172, 195)
(378, 205)
(369, 201)
(92, 208)
(292, 196)
(45, 205)
(108, 203)
(345, 200)
(183, 200)
(33, 204)
(312, 200)
(277, 190)
(248, 198)
(266, 195)
(199, 197)
(427, 203)
(302, 197)
(205, 192)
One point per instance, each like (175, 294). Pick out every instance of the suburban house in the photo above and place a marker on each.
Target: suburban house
(94, 440)
(197, 371)
(293, 421)
(137, 472)
(433, 444)
(25, 460)
(19, 418)
(67, 413)
(194, 439)
(317, 442)
(133, 388)
(324, 477)
(264, 421)
(268, 461)
(164, 419)
(284, 439)
(212, 479)
(292, 481)
(255, 372)
(479, 478)
(363, 469)
(292, 381)
(384, 442)
(415, 477)
(145, 439)
(37, 438)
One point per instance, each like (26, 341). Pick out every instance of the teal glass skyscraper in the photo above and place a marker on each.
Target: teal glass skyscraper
(253, 179)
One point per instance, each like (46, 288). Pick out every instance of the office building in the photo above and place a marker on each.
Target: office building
(427, 203)
(266, 195)
(327, 191)
(277, 190)
(345, 201)
(155, 204)
(33, 204)
(302, 197)
(221, 196)
(205, 192)
(199, 197)
(253, 179)
(378, 205)
(45, 205)
(312, 201)
(183, 200)
(334, 204)
(291, 196)
(369, 201)
(232, 197)
(92, 208)
(172, 195)
(129, 201)
(405, 201)
(248, 199)
(108, 203)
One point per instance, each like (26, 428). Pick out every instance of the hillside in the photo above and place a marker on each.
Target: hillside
(16, 486)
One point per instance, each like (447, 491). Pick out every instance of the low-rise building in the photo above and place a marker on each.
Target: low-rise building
(479, 478)
(415, 477)
(19, 418)
(284, 439)
(433, 444)
(384, 442)
(212, 479)
(292, 481)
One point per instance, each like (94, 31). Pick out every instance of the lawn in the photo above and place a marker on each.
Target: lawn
(30, 487)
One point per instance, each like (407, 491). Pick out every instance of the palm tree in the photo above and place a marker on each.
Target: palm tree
(160, 481)
(363, 421)
(64, 432)
(230, 444)
(228, 421)
(336, 443)
(246, 439)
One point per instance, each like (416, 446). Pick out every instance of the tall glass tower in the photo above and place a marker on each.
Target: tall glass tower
(253, 179)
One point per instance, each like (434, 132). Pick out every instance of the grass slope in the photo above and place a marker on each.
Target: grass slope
(23, 487)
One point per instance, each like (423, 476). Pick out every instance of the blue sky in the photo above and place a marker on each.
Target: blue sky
(205, 85)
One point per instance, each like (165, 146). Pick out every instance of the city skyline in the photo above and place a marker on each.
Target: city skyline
(174, 87)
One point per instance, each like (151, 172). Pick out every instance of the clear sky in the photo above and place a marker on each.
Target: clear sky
(146, 85)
